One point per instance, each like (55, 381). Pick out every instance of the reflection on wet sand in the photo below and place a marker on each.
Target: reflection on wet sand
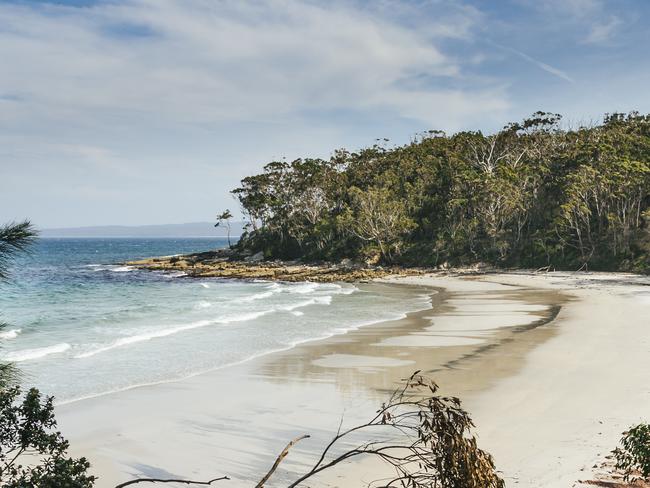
(238, 418)
(467, 340)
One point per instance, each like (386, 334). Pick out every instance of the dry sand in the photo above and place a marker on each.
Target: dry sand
(548, 424)
(552, 367)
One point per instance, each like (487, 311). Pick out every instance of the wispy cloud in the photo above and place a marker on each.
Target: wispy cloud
(131, 96)
(148, 89)
(603, 32)
(543, 66)
(540, 64)
(574, 8)
(592, 16)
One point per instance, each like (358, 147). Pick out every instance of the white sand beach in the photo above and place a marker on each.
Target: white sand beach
(552, 367)
(548, 424)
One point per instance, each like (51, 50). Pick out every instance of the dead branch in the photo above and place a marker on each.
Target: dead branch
(185, 482)
(425, 437)
(279, 459)
(610, 484)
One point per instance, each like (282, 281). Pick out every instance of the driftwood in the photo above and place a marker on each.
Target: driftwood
(279, 459)
(185, 482)
(616, 484)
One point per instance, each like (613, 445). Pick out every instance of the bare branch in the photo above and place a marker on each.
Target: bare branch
(424, 437)
(185, 482)
(279, 459)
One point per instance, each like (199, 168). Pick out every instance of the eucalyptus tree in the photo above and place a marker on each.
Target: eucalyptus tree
(376, 216)
(531, 194)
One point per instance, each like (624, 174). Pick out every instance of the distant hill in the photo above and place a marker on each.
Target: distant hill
(192, 229)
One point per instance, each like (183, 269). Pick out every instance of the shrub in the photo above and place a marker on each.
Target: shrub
(27, 433)
(633, 457)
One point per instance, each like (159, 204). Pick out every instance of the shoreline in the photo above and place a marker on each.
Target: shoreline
(313, 383)
(229, 263)
(260, 356)
(80, 419)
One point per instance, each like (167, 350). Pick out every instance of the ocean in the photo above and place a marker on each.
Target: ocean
(82, 324)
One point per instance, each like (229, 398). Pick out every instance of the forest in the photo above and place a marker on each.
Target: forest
(536, 194)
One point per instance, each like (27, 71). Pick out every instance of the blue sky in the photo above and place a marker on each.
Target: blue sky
(150, 111)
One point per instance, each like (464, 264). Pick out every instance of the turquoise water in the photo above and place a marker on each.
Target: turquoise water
(84, 325)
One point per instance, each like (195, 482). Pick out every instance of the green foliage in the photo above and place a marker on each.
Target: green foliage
(223, 219)
(377, 216)
(425, 437)
(32, 452)
(633, 457)
(14, 238)
(529, 195)
(28, 435)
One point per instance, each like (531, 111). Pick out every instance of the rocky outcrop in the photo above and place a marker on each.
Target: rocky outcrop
(229, 264)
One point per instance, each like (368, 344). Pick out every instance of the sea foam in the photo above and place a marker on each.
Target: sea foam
(10, 334)
(257, 296)
(37, 353)
(302, 288)
(155, 334)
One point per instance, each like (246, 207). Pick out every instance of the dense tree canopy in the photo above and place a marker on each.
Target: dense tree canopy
(532, 194)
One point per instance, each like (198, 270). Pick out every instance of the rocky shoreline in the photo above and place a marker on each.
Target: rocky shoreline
(225, 263)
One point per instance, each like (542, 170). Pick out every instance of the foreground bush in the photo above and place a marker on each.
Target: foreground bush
(633, 457)
(32, 453)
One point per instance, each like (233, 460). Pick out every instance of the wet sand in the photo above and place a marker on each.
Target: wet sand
(518, 349)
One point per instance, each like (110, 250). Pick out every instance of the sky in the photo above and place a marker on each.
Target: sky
(139, 112)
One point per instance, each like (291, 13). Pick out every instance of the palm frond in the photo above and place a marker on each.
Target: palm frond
(15, 238)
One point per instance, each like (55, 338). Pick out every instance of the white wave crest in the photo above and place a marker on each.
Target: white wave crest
(121, 269)
(125, 341)
(303, 288)
(173, 274)
(202, 304)
(204, 285)
(348, 290)
(258, 296)
(110, 267)
(155, 334)
(243, 317)
(37, 353)
(10, 334)
(324, 300)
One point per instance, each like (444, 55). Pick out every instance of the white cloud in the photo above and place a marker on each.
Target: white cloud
(207, 61)
(141, 111)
